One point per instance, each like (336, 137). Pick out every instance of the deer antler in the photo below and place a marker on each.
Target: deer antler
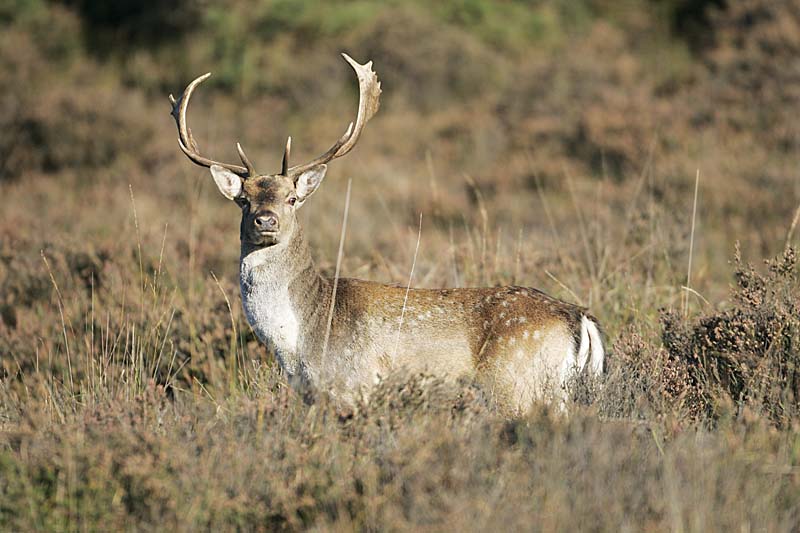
(187, 142)
(368, 103)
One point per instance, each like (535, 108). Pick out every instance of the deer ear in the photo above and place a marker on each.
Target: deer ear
(308, 181)
(228, 183)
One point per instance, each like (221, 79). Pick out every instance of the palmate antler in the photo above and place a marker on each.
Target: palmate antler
(369, 93)
(368, 102)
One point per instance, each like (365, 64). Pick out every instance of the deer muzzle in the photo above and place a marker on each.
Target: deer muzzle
(267, 222)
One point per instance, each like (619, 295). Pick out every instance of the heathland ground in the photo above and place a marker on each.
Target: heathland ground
(637, 157)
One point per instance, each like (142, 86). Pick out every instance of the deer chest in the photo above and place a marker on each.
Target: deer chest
(274, 319)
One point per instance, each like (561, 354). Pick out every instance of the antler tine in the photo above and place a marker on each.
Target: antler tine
(251, 170)
(186, 140)
(286, 152)
(368, 104)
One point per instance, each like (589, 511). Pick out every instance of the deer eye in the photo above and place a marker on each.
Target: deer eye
(292, 200)
(242, 202)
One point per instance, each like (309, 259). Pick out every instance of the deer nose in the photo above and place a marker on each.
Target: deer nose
(267, 222)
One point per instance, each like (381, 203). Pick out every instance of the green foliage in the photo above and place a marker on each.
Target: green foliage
(117, 27)
(312, 20)
(20, 10)
(691, 19)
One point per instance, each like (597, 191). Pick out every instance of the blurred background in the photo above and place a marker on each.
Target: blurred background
(611, 153)
(555, 144)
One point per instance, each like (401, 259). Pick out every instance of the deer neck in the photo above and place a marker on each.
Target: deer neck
(282, 294)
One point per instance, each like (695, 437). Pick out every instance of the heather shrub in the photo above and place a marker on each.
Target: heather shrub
(643, 380)
(552, 144)
(747, 355)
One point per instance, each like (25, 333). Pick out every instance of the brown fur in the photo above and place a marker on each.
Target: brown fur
(509, 338)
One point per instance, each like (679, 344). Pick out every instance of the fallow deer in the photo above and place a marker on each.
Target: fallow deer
(519, 343)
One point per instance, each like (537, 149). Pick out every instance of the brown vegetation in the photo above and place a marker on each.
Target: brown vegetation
(552, 144)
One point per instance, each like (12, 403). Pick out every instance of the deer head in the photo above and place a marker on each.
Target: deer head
(269, 201)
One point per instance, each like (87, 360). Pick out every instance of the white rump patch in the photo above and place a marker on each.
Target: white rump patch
(591, 348)
(590, 352)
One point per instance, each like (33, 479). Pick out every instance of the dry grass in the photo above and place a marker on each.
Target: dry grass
(133, 394)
